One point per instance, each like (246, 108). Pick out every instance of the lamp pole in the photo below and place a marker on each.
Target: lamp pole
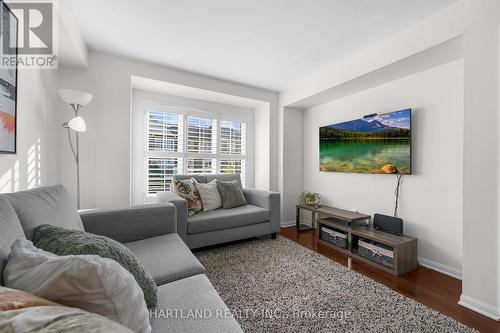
(75, 149)
(76, 108)
(76, 99)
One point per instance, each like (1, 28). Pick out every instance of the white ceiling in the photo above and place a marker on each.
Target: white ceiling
(265, 43)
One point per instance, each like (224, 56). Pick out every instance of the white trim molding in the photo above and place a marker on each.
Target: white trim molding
(480, 307)
(285, 224)
(435, 266)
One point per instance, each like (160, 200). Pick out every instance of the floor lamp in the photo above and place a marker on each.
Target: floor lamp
(76, 99)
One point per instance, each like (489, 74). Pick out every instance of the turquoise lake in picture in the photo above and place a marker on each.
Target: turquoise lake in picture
(365, 155)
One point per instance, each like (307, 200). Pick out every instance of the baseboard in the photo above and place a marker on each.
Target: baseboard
(435, 266)
(480, 307)
(285, 224)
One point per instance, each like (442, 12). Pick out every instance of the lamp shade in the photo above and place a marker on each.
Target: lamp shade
(71, 96)
(77, 124)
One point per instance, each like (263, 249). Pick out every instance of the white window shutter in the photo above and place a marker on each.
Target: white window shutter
(160, 173)
(233, 138)
(163, 132)
(201, 135)
(234, 166)
(201, 165)
(233, 148)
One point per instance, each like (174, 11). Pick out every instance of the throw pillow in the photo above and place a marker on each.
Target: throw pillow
(57, 319)
(65, 242)
(231, 193)
(91, 283)
(11, 299)
(10, 230)
(210, 195)
(186, 189)
(42, 205)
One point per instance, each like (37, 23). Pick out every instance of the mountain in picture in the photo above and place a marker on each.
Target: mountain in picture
(378, 144)
(361, 125)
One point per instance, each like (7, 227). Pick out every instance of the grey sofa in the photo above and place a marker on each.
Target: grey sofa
(149, 231)
(260, 217)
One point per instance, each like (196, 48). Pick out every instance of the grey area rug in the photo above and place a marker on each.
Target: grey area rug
(281, 286)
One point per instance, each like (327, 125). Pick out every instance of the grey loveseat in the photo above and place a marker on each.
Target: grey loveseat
(260, 217)
(149, 231)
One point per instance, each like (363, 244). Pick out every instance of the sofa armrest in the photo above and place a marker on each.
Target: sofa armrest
(132, 223)
(268, 200)
(181, 208)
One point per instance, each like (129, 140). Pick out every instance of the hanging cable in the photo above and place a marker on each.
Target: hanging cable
(396, 192)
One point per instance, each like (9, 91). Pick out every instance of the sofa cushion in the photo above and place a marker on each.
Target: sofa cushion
(45, 205)
(65, 242)
(210, 195)
(57, 319)
(195, 293)
(226, 218)
(95, 284)
(10, 230)
(166, 258)
(224, 177)
(231, 193)
(187, 190)
(207, 178)
(199, 178)
(12, 299)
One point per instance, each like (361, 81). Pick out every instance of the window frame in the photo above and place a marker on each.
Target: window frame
(187, 112)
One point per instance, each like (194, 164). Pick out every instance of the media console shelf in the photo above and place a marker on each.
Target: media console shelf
(337, 213)
(404, 248)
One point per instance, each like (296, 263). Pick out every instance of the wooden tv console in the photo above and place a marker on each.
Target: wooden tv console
(404, 247)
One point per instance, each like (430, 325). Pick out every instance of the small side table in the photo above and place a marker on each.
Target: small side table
(303, 227)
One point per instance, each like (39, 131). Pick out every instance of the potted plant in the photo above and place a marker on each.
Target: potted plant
(310, 199)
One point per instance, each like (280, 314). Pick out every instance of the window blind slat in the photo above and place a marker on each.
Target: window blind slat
(163, 132)
(234, 166)
(201, 165)
(233, 138)
(160, 171)
(201, 135)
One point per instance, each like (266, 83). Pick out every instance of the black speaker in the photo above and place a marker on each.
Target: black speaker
(390, 224)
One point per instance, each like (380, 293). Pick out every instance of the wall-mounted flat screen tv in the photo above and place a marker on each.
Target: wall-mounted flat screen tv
(375, 144)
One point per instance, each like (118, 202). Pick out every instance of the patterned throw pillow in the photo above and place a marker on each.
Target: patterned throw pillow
(57, 319)
(11, 299)
(210, 196)
(65, 242)
(187, 190)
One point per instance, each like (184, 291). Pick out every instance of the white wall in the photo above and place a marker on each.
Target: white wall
(293, 161)
(38, 126)
(477, 24)
(106, 146)
(39, 120)
(431, 198)
(481, 280)
(262, 148)
(142, 98)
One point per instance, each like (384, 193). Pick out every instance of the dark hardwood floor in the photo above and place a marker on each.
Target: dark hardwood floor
(433, 289)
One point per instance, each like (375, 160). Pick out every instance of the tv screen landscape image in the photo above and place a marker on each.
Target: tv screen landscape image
(377, 144)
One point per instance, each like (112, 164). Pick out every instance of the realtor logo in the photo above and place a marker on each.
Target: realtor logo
(35, 28)
(29, 27)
